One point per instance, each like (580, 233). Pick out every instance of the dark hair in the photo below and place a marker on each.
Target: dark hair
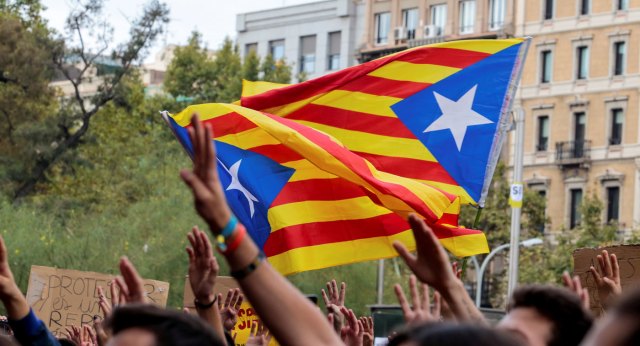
(67, 342)
(629, 307)
(449, 334)
(563, 308)
(168, 327)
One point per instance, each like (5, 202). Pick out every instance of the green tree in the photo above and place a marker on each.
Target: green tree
(191, 73)
(251, 66)
(228, 73)
(275, 71)
(65, 131)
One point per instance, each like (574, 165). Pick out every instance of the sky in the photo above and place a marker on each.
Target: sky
(215, 19)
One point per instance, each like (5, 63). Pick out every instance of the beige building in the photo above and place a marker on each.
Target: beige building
(579, 92)
(393, 25)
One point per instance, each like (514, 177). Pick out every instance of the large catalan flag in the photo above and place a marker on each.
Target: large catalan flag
(308, 201)
(436, 113)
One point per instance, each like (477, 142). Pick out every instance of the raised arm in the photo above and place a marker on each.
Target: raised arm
(290, 317)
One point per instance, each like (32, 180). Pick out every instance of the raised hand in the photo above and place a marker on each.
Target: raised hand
(431, 264)
(574, 285)
(130, 284)
(203, 179)
(258, 335)
(229, 310)
(420, 310)
(334, 297)
(353, 333)
(607, 277)
(367, 335)
(13, 299)
(203, 267)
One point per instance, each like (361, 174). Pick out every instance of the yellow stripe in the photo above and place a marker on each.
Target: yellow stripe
(306, 170)
(205, 112)
(452, 189)
(288, 108)
(251, 88)
(375, 144)
(333, 254)
(248, 139)
(419, 73)
(358, 102)
(483, 46)
(297, 213)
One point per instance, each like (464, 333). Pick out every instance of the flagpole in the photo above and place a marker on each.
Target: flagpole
(514, 252)
(380, 281)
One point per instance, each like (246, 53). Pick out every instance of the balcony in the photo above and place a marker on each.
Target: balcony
(424, 41)
(573, 153)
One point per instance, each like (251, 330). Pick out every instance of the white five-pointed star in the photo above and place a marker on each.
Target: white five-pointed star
(237, 185)
(457, 116)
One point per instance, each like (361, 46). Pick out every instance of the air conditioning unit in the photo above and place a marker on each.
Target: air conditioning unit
(399, 33)
(431, 31)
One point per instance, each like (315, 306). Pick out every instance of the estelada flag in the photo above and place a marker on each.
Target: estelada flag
(437, 113)
(309, 202)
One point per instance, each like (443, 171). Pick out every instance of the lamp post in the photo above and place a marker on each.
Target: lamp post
(485, 263)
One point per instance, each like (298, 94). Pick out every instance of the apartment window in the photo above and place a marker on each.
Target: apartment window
(582, 60)
(546, 66)
(410, 22)
(467, 16)
(382, 26)
(548, 9)
(496, 14)
(333, 60)
(308, 54)
(250, 47)
(276, 49)
(613, 203)
(438, 18)
(617, 119)
(622, 5)
(575, 202)
(543, 133)
(619, 53)
(585, 7)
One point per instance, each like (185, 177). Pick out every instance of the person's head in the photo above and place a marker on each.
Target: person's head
(546, 315)
(621, 325)
(449, 334)
(148, 325)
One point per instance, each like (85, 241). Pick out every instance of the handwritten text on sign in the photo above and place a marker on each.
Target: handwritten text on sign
(63, 298)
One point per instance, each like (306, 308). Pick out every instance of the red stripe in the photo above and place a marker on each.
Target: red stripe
(384, 87)
(319, 233)
(277, 152)
(318, 190)
(410, 168)
(426, 55)
(450, 219)
(350, 120)
(228, 124)
(358, 165)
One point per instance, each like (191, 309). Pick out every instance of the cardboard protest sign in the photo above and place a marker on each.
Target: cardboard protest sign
(63, 298)
(246, 314)
(628, 260)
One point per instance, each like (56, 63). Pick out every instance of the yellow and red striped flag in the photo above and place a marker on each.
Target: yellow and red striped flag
(436, 114)
(310, 203)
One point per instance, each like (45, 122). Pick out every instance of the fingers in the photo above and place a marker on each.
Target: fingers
(607, 264)
(220, 301)
(3, 254)
(584, 297)
(615, 267)
(133, 281)
(227, 299)
(437, 305)
(406, 256)
(406, 310)
(343, 291)
(567, 281)
(239, 301)
(198, 188)
(325, 298)
(413, 290)
(123, 290)
(253, 331)
(114, 294)
(596, 276)
(334, 292)
(351, 319)
(425, 302)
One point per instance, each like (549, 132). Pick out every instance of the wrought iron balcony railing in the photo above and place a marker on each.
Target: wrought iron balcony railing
(573, 152)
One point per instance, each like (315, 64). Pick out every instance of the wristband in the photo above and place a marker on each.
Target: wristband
(250, 268)
(230, 227)
(237, 239)
(201, 306)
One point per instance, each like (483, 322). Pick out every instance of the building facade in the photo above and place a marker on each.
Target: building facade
(394, 25)
(579, 92)
(315, 38)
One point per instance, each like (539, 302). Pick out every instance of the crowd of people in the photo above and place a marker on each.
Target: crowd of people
(439, 310)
